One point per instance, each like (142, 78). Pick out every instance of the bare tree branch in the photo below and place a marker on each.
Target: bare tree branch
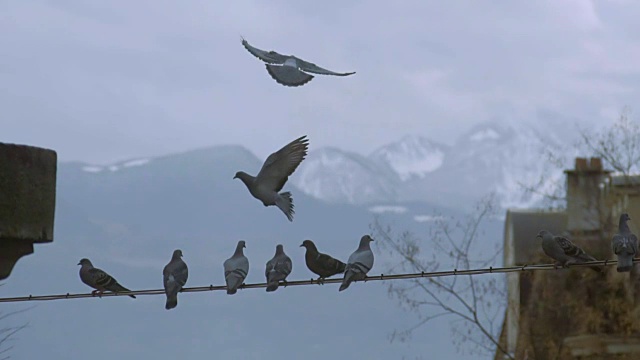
(7, 333)
(471, 300)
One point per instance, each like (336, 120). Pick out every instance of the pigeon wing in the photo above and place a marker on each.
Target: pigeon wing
(330, 264)
(315, 69)
(633, 239)
(280, 165)
(573, 250)
(175, 274)
(270, 57)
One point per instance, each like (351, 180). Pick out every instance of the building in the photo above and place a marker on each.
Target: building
(538, 321)
(27, 201)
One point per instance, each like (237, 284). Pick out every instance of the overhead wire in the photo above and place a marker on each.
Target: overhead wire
(381, 277)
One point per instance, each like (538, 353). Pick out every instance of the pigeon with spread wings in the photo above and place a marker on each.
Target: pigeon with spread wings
(274, 174)
(289, 70)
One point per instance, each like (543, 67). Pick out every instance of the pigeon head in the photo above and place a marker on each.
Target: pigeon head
(85, 261)
(366, 238)
(364, 242)
(542, 234)
(625, 217)
(241, 245)
(279, 249)
(308, 244)
(177, 254)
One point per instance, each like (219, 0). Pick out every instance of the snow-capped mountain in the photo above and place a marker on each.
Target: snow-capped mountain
(495, 156)
(498, 156)
(338, 176)
(411, 156)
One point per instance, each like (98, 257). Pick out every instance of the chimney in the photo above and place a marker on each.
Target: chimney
(595, 164)
(581, 164)
(584, 207)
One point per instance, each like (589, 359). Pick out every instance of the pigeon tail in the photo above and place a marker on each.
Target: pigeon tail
(625, 263)
(272, 286)
(345, 284)
(288, 75)
(285, 203)
(119, 288)
(172, 302)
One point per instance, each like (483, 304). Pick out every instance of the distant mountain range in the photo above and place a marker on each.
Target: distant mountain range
(128, 217)
(490, 157)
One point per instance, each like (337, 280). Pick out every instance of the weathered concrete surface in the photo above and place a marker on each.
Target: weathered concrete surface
(27, 201)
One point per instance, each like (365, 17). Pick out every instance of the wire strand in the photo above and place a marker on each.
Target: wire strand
(381, 277)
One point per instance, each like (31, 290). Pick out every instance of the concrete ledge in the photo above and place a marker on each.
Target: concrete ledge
(586, 345)
(27, 201)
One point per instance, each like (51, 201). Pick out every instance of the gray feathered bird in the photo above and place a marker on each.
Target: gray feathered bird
(564, 251)
(236, 269)
(321, 264)
(99, 279)
(174, 277)
(286, 69)
(359, 263)
(274, 174)
(278, 268)
(624, 244)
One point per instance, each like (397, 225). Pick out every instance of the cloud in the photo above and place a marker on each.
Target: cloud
(102, 82)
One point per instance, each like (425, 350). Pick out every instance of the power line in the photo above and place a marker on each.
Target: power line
(454, 272)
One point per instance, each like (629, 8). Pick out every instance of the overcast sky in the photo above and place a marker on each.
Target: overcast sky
(105, 81)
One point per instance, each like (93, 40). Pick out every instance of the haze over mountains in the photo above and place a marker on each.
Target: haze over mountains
(129, 216)
(490, 157)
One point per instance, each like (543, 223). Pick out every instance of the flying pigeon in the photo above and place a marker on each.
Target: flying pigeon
(285, 69)
(99, 280)
(236, 269)
(278, 268)
(359, 263)
(564, 251)
(321, 264)
(174, 276)
(624, 244)
(274, 174)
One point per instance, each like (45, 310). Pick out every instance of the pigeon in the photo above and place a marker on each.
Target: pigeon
(624, 244)
(274, 174)
(236, 269)
(174, 276)
(285, 69)
(564, 251)
(99, 280)
(278, 268)
(359, 263)
(321, 264)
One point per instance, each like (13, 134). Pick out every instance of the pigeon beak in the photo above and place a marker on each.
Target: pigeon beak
(301, 245)
(78, 264)
(235, 177)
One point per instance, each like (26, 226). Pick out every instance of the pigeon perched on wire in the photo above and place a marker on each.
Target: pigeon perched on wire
(359, 263)
(274, 174)
(321, 264)
(278, 268)
(624, 244)
(564, 251)
(99, 279)
(174, 277)
(286, 69)
(236, 269)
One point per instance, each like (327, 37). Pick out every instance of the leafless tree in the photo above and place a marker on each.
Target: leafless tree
(475, 303)
(7, 333)
(617, 144)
